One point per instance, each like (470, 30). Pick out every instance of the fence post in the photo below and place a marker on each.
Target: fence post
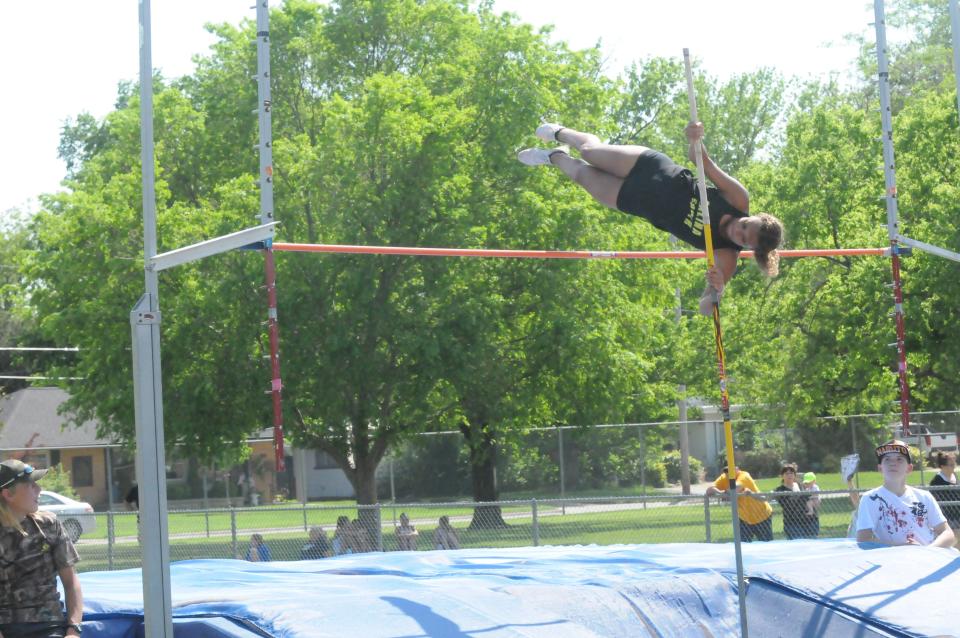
(233, 533)
(379, 511)
(110, 535)
(536, 523)
(706, 515)
(206, 517)
(304, 515)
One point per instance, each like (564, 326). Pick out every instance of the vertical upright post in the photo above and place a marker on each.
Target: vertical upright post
(393, 485)
(111, 539)
(535, 522)
(853, 435)
(300, 467)
(955, 24)
(893, 223)
(108, 461)
(563, 477)
(682, 405)
(643, 465)
(147, 391)
(721, 360)
(266, 216)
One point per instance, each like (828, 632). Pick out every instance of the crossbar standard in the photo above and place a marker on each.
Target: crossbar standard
(558, 254)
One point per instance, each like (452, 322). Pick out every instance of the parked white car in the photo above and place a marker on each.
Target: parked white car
(77, 517)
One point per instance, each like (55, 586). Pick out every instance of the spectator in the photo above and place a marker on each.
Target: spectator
(897, 514)
(258, 552)
(360, 539)
(132, 499)
(35, 550)
(813, 504)
(343, 537)
(318, 546)
(854, 495)
(793, 503)
(406, 534)
(445, 537)
(756, 515)
(948, 497)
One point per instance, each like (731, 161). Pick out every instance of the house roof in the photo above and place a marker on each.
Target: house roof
(30, 419)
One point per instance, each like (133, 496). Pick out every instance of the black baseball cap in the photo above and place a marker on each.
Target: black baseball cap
(897, 447)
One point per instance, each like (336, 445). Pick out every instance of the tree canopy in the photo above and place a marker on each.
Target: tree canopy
(396, 122)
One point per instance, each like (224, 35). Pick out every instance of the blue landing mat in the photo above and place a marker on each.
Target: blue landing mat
(820, 588)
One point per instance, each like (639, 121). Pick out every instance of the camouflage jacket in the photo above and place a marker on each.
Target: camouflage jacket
(28, 569)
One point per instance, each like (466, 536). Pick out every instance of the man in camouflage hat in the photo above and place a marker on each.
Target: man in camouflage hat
(34, 550)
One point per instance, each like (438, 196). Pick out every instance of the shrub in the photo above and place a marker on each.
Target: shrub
(656, 473)
(671, 461)
(58, 480)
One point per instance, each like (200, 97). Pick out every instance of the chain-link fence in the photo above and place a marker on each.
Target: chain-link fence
(633, 457)
(314, 531)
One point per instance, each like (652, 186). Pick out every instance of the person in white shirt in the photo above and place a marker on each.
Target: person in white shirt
(897, 514)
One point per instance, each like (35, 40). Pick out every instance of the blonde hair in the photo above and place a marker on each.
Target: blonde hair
(9, 519)
(769, 239)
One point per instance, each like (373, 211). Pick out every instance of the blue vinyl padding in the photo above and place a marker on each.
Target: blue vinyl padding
(817, 588)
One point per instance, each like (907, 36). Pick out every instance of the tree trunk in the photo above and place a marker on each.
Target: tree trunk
(365, 486)
(483, 459)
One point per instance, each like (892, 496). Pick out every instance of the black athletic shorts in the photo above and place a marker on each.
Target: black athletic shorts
(657, 189)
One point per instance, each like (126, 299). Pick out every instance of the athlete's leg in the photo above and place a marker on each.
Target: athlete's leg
(617, 160)
(603, 186)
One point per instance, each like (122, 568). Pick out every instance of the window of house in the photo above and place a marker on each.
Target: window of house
(38, 460)
(323, 461)
(82, 471)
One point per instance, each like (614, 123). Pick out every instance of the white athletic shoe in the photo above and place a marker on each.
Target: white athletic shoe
(548, 132)
(539, 156)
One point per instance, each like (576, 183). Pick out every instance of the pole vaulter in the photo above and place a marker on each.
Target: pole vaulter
(721, 359)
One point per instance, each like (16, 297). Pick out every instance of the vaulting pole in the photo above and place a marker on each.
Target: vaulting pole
(721, 359)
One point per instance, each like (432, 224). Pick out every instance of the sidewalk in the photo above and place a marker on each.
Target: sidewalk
(696, 489)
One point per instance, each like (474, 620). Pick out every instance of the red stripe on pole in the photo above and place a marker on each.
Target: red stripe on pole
(276, 385)
(553, 254)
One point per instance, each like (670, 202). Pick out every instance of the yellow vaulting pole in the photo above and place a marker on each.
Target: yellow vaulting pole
(721, 360)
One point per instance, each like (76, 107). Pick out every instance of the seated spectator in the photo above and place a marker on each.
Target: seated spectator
(897, 514)
(258, 549)
(445, 537)
(359, 538)
(317, 545)
(406, 534)
(342, 537)
(947, 493)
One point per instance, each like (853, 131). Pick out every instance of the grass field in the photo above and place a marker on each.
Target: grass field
(672, 519)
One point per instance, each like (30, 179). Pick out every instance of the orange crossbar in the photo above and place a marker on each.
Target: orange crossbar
(553, 254)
